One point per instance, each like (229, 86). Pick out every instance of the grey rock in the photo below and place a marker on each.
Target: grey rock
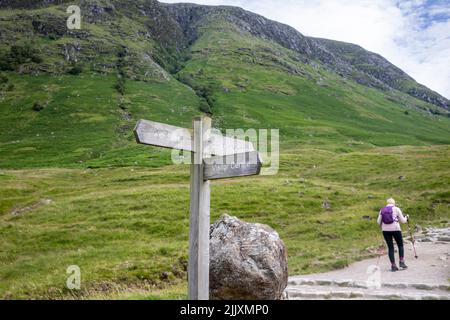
(49, 25)
(31, 207)
(326, 205)
(247, 261)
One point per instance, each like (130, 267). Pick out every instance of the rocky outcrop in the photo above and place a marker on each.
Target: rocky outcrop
(27, 4)
(49, 25)
(379, 72)
(348, 60)
(433, 235)
(97, 11)
(247, 261)
(160, 24)
(189, 17)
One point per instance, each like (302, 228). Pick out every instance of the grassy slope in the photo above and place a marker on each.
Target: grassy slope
(124, 222)
(126, 226)
(82, 124)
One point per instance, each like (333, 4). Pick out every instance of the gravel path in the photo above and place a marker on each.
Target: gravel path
(427, 277)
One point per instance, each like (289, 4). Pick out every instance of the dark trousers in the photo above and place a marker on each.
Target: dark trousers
(389, 236)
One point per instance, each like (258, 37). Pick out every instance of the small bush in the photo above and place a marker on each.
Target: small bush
(75, 70)
(17, 55)
(205, 107)
(36, 59)
(120, 86)
(3, 79)
(407, 112)
(123, 106)
(37, 106)
(10, 87)
(6, 63)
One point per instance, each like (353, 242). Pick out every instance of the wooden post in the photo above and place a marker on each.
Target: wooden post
(202, 144)
(198, 270)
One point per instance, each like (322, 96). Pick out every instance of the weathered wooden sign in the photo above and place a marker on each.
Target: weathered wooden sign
(232, 158)
(239, 165)
(167, 136)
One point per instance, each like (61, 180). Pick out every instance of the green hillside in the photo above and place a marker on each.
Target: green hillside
(75, 188)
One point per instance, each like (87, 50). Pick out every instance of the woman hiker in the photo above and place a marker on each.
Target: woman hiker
(389, 219)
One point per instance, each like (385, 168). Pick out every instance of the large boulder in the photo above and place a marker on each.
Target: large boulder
(247, 261)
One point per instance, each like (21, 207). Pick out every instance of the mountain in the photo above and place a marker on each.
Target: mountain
(168, 62)
(346, 59)
(343, 58)
(76, 188)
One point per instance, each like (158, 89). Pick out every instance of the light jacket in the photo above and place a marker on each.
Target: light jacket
(398, 218)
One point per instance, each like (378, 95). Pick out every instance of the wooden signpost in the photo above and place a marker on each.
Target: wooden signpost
(213, 157)
(243, 164)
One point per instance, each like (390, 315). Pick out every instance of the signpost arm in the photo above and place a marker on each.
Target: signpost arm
(198, 270)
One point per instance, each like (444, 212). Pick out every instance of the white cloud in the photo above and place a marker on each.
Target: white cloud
(412, 34)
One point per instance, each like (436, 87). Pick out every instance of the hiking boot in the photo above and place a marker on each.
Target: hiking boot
(394, 268)
(403, 265)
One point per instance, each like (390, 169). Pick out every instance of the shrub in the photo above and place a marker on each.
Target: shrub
(205, 107)
(6, 63)
(75, 70)
(407, 112)
(3, 79)
(36, 59)
(10, 87)
(37, 106)
(168, 58)
(120, 86)
(17, 55)
(24, 53)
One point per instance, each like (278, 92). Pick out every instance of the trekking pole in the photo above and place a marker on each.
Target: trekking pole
(380, 253)
(381, 249)
(412, 239)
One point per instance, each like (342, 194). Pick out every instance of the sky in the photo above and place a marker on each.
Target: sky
(412, 34)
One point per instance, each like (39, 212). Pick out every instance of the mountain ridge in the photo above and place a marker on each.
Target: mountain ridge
(346, 59)
(388, 76)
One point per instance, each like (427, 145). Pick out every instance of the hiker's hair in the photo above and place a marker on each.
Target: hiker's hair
(390, 201)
